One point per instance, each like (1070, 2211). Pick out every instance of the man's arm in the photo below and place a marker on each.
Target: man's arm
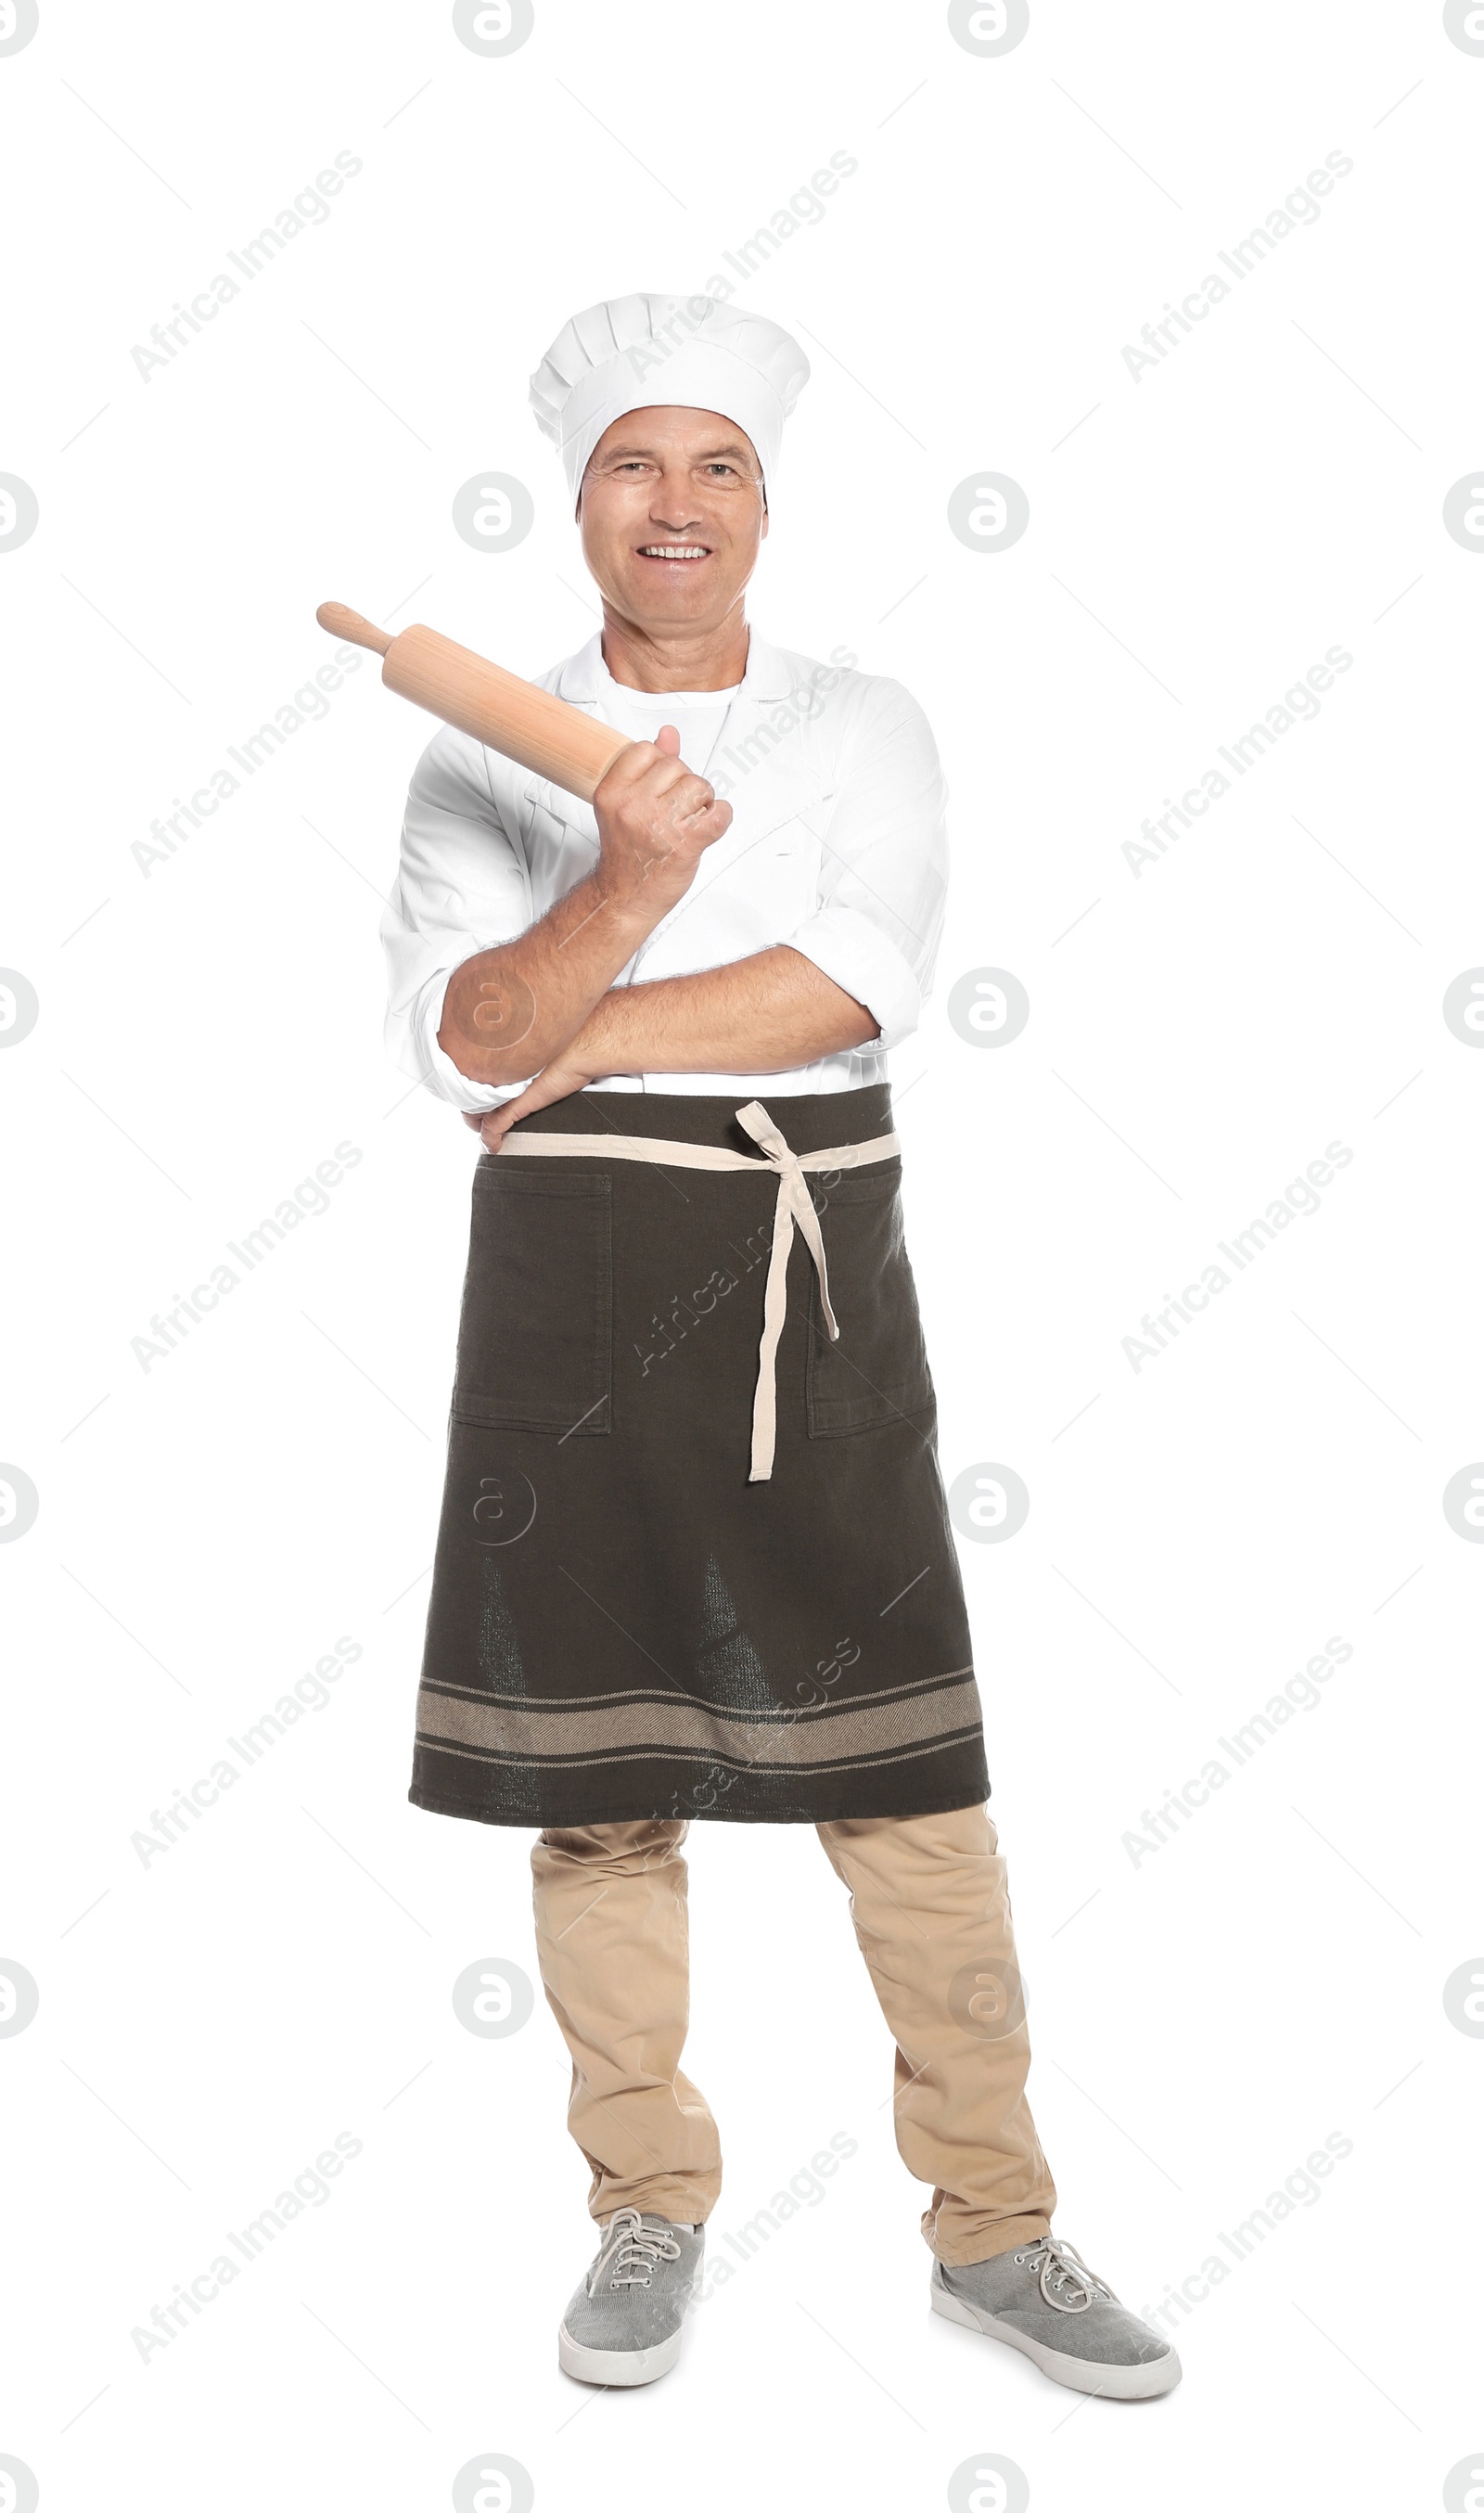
(766, 1014)
(762, 1014)
(519, 1005)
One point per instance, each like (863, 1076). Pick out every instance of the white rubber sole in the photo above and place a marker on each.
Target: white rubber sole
(615, 2368)
(1074, 2373)
(622, 2368)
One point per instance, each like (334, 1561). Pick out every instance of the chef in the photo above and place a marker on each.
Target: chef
(694, 1559)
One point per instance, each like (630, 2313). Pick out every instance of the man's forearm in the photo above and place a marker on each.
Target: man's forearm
(511, 1010)
(514, 1010)
(763, 1014)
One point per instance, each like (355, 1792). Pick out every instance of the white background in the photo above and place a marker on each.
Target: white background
(1198, 1528)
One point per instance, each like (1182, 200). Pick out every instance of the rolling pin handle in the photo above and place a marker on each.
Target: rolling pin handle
(351, 627)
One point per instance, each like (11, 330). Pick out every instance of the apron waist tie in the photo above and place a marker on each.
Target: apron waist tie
(794, 1206)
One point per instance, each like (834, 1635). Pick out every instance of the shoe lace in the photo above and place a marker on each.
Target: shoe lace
(1067, 2284)
(632, 2251)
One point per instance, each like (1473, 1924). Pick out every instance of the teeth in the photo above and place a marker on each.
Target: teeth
(666, 549)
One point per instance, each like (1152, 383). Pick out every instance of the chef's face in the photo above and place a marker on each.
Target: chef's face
(672, 511)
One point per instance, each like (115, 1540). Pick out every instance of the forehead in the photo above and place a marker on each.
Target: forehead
(680, 434)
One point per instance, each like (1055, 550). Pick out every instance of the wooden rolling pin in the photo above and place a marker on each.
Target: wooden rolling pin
(496, 708)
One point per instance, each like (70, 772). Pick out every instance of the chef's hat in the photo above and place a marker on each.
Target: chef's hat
(692, 352)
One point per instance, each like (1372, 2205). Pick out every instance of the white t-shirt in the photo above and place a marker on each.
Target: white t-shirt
(697, 715)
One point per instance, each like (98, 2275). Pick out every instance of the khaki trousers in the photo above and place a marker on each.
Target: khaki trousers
(932, 1917)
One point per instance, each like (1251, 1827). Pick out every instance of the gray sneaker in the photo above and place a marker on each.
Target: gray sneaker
(623, 2324)
(1045, 2301)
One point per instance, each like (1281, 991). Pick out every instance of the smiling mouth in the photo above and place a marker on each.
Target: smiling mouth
(686, 551)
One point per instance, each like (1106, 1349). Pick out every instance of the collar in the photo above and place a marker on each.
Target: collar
(767, 677)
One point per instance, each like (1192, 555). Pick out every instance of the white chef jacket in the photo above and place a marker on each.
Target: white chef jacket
(837, 848)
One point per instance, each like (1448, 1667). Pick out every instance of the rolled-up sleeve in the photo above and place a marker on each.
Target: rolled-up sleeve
(463, 885)
(883, 875)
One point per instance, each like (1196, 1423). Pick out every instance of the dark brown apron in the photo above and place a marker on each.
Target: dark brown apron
(643, 1604)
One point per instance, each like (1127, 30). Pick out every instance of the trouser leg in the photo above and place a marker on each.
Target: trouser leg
(932, 1916)
(612, 1939)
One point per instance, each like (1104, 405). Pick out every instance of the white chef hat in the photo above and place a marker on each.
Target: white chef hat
(637, 352)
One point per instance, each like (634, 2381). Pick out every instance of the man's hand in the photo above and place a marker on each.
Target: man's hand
(568, 1072)
(655, 820)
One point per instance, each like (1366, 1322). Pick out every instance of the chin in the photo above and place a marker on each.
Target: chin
(671, 602)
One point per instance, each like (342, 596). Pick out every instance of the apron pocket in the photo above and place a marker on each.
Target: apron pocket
(536, 1328)
(878, 1371)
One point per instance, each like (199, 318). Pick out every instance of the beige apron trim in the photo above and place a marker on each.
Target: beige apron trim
(794, 1206)
(856, 1732)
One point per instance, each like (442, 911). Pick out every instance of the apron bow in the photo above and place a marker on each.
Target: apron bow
(794, 1208)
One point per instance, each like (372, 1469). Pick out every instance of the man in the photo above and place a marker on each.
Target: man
(695, 1558)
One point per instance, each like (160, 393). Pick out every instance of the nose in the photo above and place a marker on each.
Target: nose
(672, 506)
